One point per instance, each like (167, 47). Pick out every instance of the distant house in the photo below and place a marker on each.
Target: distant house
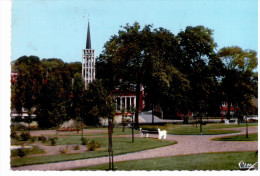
(127, 100)
(23, 114)
(224, 109)
(14, 76)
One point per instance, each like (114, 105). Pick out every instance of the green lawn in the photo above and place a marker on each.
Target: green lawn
(251, 137)
(120, 146)
(209, 161)
(209, 129)
(116, 131)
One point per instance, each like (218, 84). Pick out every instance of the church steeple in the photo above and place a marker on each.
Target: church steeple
(88, 62)
(88, 44)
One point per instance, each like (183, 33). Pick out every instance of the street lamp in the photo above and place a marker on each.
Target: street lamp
(110, 146)
(246, 128)
(132, 128)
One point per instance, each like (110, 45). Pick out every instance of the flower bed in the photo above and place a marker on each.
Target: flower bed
(68, 130)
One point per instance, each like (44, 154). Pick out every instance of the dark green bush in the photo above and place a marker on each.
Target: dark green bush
(84, 141)
(93, 145)
(14, 135)
(25, 136)
(76, 147)
(22, 152)
(53, 140)
(64, 150)
(42, 138)
(20, 128)
(33, 138)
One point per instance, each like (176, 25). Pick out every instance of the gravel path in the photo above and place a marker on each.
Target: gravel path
(187, 144)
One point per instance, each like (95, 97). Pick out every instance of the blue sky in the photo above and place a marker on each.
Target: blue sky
(58, 28)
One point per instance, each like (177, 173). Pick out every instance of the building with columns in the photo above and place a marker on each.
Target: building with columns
(88, 61)
(127, 100)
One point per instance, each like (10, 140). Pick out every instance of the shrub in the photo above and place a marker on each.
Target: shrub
(93, 145)
(25, 136)
(22, 152)
(20, 128)
(33, 138)
(76, 147)
(124, 123)
(63, 150)
(84, 141)
(14, 135)
(53, 140)
(42, 138)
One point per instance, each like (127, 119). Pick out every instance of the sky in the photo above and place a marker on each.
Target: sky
(58, 28)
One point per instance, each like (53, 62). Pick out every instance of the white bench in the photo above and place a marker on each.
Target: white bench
(226, 122)
(144, 132)
(161, 134)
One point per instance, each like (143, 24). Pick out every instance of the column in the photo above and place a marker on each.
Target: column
(120, 103)
(91, 69)
(125, 103)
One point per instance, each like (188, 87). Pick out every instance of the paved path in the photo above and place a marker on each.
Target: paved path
(147, 118)
(187, 144)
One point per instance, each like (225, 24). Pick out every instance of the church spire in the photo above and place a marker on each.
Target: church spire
(88, 44)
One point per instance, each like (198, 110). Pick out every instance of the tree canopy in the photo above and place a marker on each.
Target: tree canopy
(180, 73)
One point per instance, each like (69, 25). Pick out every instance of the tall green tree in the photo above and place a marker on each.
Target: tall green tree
(138, 57)
(125, 55)
(238, 83)
(96, 103)
(54, 91)
(24, 93)
(196, 52)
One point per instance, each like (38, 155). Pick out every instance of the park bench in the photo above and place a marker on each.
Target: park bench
(234, 121)
(161, 134)
(227, 122)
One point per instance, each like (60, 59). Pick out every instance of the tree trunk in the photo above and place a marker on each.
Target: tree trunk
(228, 113)
(137, 105)
(153, 114)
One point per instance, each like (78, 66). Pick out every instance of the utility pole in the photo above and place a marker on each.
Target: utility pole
(201, 125)
(132, 128)
(110, 145)
(153, 114)
(246, 128)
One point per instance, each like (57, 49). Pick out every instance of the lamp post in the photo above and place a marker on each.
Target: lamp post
(246, 128)
(132, 128)
(110, 146)
(201, 125)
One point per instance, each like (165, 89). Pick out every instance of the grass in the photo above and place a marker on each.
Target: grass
(209, 129)
(116, 131)
(207, 161)
(120, 146)
(251, 137)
